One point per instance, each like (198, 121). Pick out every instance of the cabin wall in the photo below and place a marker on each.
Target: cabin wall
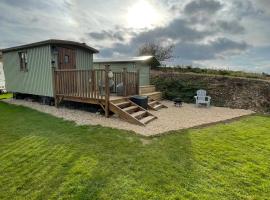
(37, 79)
(84, 59)
(118, 67)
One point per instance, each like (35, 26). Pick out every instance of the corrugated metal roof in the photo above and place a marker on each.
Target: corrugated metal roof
(145, 59)
(53, 42)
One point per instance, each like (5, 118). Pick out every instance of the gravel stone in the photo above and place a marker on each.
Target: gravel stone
(169, 119)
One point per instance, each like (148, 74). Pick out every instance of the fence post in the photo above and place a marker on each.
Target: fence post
(107, 90)
(125, 81)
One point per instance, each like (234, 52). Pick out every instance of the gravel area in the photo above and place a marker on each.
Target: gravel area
(171, 118)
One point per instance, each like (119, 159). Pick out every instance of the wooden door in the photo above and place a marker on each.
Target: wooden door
(66, 58)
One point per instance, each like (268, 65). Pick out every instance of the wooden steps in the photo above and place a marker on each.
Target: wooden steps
(155, 105)
(147, 89)
(150, 92)
(131, 112)
(153, 95)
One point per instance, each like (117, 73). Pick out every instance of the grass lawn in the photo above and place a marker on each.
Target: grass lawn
(43, 157)
(6, 96)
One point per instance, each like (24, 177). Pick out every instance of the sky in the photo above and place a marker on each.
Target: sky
(227, 34)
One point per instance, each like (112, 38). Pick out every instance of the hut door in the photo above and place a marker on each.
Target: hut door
(66, 58)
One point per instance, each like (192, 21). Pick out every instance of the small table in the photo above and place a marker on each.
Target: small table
(178, 102)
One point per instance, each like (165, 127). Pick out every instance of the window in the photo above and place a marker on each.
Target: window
(66, 59)
(23, 61)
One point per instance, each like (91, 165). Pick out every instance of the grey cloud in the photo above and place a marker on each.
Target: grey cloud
(186, 50)
(177, 29)
(208, 6)
(245, 8)
(225, 44)
(111, 35)
(28, 4)
(195, 52)
(233, 27)
(119, 48)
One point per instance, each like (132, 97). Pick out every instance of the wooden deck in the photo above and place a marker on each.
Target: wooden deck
(98, 87)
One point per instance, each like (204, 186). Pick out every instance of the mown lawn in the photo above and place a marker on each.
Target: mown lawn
(43, 157)
(6, 96)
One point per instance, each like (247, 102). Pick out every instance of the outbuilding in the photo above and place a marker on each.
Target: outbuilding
(141, 63)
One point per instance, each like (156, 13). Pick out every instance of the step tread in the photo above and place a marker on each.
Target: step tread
(130, 108)
(123, 103)
(138, 113)
(150, 93)
(147, 119)
(158, 106)
(152, 102)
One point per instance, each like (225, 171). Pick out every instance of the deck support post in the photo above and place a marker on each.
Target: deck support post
(125, 81)
(107, 90)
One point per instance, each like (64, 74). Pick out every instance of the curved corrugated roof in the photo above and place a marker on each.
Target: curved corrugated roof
(51, 42)
(145, 59)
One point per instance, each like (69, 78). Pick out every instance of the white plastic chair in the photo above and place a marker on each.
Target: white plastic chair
(201, 98)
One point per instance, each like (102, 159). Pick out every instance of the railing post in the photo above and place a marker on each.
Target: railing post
(125, 81)
(93, 84)
(54, 86)
(107, 90)
(138, 81)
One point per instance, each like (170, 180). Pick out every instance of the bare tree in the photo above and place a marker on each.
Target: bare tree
(161, 53)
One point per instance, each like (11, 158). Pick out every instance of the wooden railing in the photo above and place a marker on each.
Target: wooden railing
(129, 80)
(80, 83)
(94, 84)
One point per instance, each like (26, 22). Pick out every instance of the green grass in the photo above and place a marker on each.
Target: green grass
(43, 157)
(6, 96)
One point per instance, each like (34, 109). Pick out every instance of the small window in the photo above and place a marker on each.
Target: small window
(66, 59)
(23, 61)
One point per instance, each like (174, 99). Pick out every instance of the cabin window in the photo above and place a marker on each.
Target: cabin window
(66, 59)
(23, 61)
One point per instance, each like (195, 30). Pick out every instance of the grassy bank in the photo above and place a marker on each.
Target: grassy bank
(43, 157)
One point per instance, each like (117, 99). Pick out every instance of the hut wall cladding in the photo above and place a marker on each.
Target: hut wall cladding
(118, 67)
(38, 77)
(84, 59)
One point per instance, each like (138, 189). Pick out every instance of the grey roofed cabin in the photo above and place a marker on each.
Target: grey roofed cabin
(65, 71)
(28, 68)
(141, 63)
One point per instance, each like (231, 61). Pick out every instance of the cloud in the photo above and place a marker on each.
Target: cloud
(206, 6)
(233, 27)
(212, 31)
(211, 50)
(241, 9)
(107, 35)
(178, 29)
